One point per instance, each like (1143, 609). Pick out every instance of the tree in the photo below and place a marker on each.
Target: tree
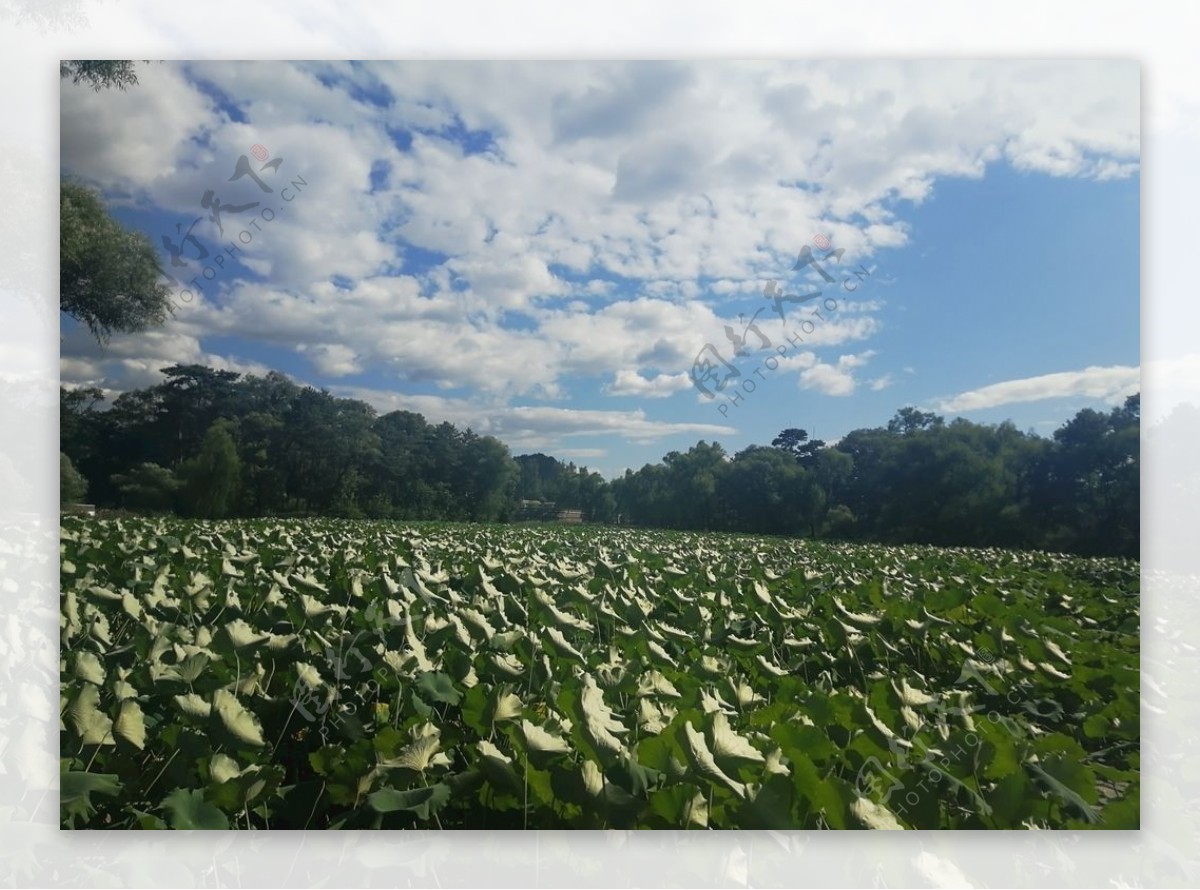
(211, 478)
(910, 420)
(796, 442)
(193, 397)
(839, 523)
(595, 497)
(692, 481)
(72, 487)
(77, 427)
(1087, 486)
(490, 475)
(99, 73)
(761, 491)
(790, 440)
(108, 275)
(400, 473)
(832, 470)
(147, 486)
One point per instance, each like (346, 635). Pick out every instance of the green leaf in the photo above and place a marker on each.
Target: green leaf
(75, 791)
(187, 810)
(498, 767)
(808, 740)
(828, 799)
(771, 805)
(1010, 800)
(483, 708)
(541, 745)
(1070, 781)
(437, 687)
(599, 723)
(130, 605)
(633, 777)
(680, 806)
(192, 667)
(148, 821)
(422, 802)
(1124, 814)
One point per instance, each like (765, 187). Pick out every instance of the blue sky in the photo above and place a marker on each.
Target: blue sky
(539, 250)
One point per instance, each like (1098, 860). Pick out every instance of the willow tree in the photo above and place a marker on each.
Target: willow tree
(109, 276)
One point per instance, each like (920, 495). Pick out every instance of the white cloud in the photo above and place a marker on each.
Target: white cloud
(831, 379)
(333, 359)
(1109, 384)
(133, 139)
(666, 189)
(834, 379)
(630, 383)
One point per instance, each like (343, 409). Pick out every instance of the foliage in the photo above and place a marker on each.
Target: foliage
(342, 674)
(918, 479)
(547, 480)
(99, 74)
(72, 486)
(108, 275)
(147, 486)
(298, 450)
(211, 478)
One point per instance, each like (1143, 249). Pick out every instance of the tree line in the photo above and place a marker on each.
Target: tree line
(210, 443)
(916, 480)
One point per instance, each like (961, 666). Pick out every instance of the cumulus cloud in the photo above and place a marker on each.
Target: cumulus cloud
(595, 222)
(836, 379)
(630, 383)
(333, 359)
(1108, 384)
(131, 140)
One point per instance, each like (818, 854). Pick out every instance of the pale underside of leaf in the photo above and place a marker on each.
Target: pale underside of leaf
(541, 740)
(130, 724)
(705, 765)
(240, 723)
(599, 722)
(874, 816)
(728, 745)
(92, 725)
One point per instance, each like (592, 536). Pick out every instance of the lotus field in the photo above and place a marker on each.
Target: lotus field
(339, 674)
